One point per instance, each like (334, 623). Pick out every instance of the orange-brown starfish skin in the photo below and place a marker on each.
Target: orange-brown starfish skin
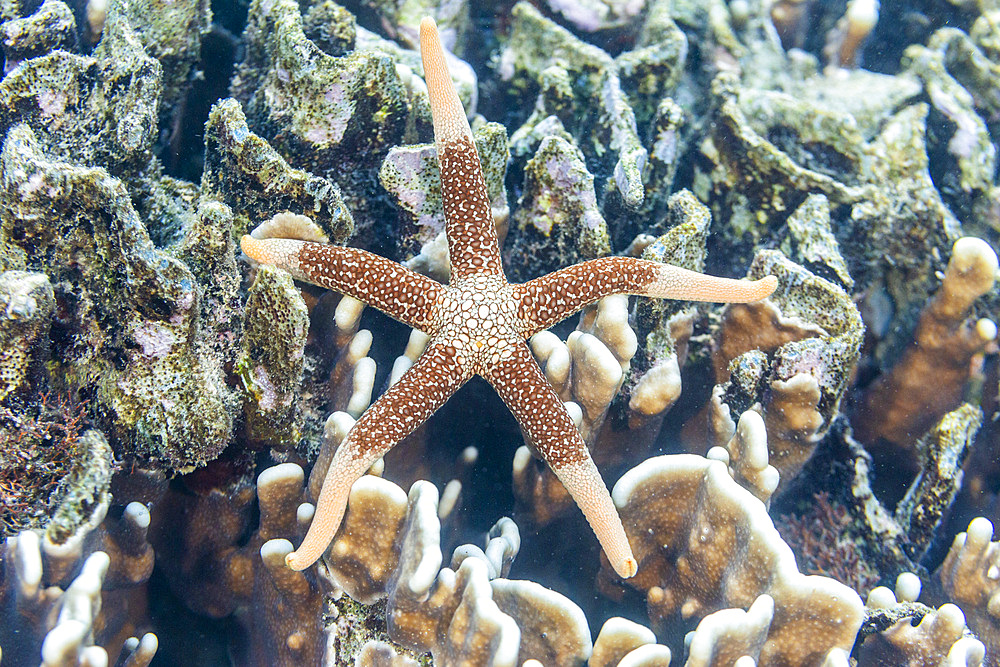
(477, 326)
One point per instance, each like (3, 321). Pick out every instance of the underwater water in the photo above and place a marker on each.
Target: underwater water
(801, 467)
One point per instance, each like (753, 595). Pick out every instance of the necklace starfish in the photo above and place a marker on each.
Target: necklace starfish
(477, 325)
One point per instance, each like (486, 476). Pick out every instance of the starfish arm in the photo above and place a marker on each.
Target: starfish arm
(472, 238)
(392, 288)
(405, 405)
(550, 430)
(544, 301)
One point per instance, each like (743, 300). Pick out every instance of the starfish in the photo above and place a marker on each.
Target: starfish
(477, 325)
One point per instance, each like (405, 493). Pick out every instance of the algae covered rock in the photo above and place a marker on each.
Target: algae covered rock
(26, 305)
(251, 177)
(51, 27)
(539, 53)
(338, 116)
(135, 308)
(271, 358)
(557, 221)
(99, 110)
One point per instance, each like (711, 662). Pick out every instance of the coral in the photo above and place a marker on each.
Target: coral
(143, 327)
(337, 115)
(388, 547)
(606, 360)
(111, 123)
(68, 641)
(137, 346)
(380, 654)
(221, 571)
(52, 26)
(172, 34)
(704, 544)
(968, 576)
(53, 470)
(941, 453)
(929, 376)
(620, 638)
(812, 139)
(271, 358)
(594, 15)
(892, 633)
(959, 80)
(451, 612)
(811, 241)
(65, 596)
(245, 172)
(589, 368)
(846, 41)
(362, 560)
(557, 211)
(725, 636)
(664, 328)
(148, 294)
(542, 614)
(937, 639)
(813, 333)
(746, 456)
(28, 301)
(477, 325)
(536, 46)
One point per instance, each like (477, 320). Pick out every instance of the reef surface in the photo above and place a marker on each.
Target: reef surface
(812, 479)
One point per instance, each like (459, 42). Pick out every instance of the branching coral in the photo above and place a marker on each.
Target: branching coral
(928, 378)
(726, 553)
(968, 576)
(67, 601)
(812, 332)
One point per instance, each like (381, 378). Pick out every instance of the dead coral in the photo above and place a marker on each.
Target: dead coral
(271, 359)
(255, 181)
(51, 27)
(137, 305)
(539, 49)
(338, 116)
(27, 302)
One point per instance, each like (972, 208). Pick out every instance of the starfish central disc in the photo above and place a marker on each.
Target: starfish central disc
(477, 316)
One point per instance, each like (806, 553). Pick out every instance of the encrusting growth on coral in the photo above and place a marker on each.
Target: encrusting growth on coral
(478, 325)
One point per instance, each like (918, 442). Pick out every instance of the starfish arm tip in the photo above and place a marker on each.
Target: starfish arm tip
(295, 562)
(246, 244)
(627, 568)
(767, 286)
